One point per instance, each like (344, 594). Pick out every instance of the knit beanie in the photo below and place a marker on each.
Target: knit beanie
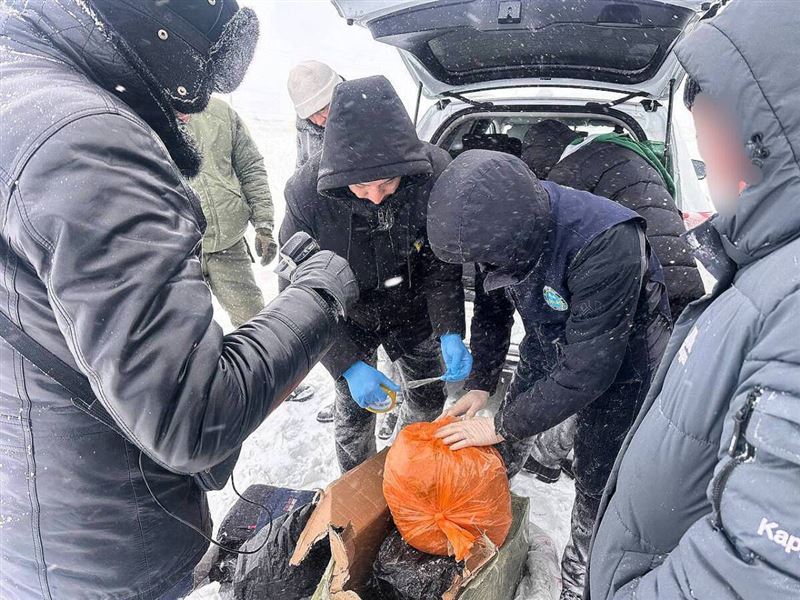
(311, 84)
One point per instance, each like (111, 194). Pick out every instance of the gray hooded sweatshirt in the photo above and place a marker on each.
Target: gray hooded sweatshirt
(704, 501)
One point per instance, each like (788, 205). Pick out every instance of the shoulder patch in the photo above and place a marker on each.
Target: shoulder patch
(554, 299)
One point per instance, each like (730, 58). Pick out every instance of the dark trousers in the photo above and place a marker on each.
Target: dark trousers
(600, 429)
(180, 590)
(354, 427)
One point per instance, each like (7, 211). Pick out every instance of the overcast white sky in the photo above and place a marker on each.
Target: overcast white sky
(296, 30)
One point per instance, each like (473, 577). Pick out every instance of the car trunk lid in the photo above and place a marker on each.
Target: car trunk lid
(462, 46)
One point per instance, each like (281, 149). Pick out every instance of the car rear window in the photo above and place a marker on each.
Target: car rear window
(465, 42)
(570, 44)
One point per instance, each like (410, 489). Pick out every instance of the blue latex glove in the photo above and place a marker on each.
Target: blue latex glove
(365, 384)
(456, 357)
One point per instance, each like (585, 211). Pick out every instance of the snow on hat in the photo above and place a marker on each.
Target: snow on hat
(311, 85)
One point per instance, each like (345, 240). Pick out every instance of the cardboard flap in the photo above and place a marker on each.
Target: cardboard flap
(354, 515)
(343, 554)
(481, 553)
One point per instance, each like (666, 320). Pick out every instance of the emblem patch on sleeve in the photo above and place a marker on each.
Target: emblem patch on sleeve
(554, 299)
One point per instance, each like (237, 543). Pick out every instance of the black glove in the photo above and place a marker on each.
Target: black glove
(330, 275)
(266, 247)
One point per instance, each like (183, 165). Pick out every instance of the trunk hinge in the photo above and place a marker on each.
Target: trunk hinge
(419, 99)
(668, 134)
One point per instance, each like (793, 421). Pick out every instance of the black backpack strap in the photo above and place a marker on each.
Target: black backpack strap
(74, 383)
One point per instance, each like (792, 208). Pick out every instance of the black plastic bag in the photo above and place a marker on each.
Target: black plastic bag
(404, 573)
(268, 574)
(245, 519)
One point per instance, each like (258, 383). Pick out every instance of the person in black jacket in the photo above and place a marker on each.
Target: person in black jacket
(579, 271)
(365, 196)
(100, 255)
(619, 173)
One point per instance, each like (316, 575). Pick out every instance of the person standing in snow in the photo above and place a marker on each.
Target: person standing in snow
(121, 394)
(234, 192)
(615, 167)
(612, 166)
(703, 500)
(365, 196)
(579, 271)
(311, 84)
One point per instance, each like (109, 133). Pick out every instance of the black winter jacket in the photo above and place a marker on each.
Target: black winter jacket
(406, 292)
(612, 171)
(99, 240)
(576, 267)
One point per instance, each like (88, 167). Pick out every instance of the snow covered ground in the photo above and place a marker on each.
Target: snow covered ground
(292, 449)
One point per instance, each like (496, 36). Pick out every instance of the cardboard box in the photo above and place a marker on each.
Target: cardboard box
(353, 514)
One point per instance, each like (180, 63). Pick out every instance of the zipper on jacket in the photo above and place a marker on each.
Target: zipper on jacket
(739, 450)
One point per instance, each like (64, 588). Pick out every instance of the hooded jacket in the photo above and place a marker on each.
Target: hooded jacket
(406, 292)
(703, 500)
(543, 145)
(99, 242)
(620, 174)
(576, 268)
(232, 183)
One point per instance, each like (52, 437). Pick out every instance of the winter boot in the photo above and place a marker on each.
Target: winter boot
(325, 414)
(388, 425)
(542, 473)
(301, 393)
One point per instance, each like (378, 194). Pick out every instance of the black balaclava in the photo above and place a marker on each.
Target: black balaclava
(190, 47)
(544, 144)
(488, 207)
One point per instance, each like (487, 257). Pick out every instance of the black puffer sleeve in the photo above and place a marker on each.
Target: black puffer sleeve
(490, 335)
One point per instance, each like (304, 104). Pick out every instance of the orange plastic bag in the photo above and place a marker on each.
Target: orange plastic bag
(442, 500)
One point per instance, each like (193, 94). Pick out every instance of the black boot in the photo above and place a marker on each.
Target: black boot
(325, 414)
(542, 473)
(388, 425)
(301, 393)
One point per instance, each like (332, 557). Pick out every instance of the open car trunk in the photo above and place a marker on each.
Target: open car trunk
(459, 46)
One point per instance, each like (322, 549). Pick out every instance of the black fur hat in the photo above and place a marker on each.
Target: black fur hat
(191, 47)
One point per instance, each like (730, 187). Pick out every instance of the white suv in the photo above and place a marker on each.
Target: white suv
(496, 67)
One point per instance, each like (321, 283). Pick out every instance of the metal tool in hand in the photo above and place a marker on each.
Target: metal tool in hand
(390, 402)
(412, 385)
(386, 405)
